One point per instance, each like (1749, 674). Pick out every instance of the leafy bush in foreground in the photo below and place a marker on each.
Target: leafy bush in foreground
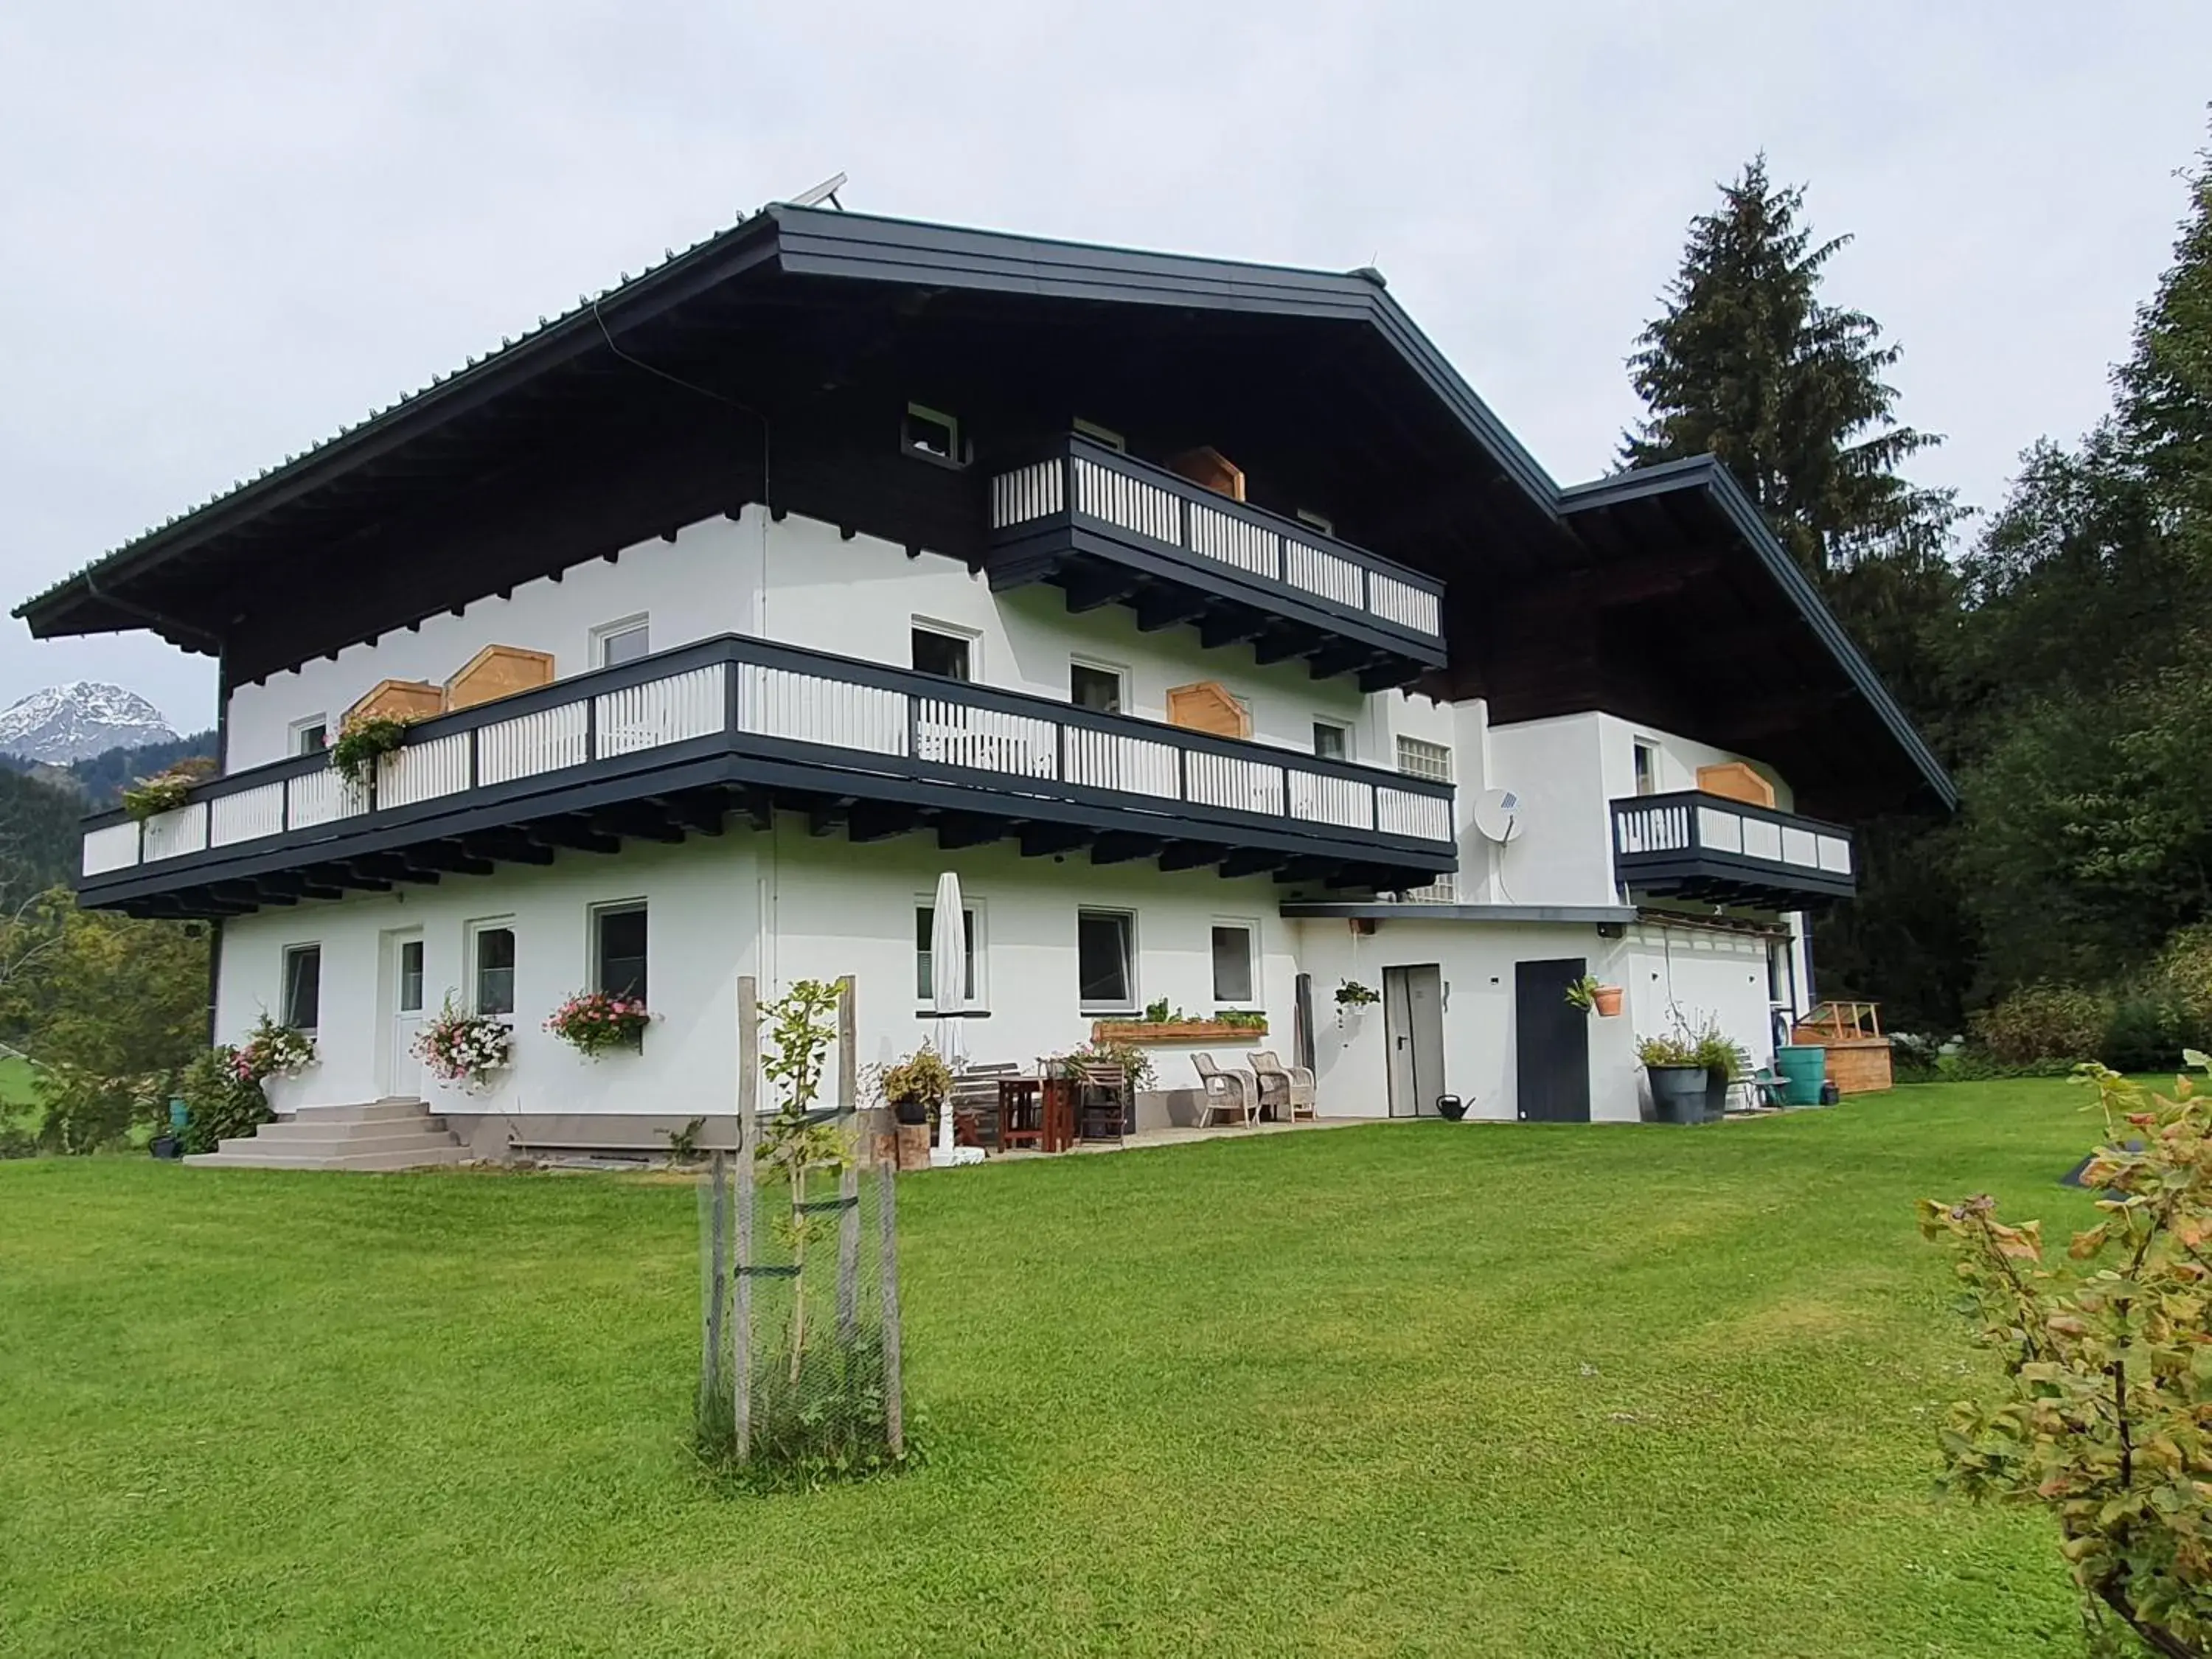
(2105, 1418)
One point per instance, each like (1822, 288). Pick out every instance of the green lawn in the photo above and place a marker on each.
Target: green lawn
(1415, 1389)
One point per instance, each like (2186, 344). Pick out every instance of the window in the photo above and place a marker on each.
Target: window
(1331, 741)
(409, 987)
(1103, 963)
(311, 735)
(623, 641)
(1320, 521)
(1101, 435)
(618, 950)
(932, 434)
(1647, 767)
(1089, 686)
(303, 985)
(1232, 962)
(946, 655)
(1417, 759)
(925, 930)
(492, 948)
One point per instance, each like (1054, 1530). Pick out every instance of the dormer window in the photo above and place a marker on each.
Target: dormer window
(934, 435)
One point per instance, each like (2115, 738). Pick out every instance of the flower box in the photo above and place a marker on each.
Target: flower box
(1175, 1031)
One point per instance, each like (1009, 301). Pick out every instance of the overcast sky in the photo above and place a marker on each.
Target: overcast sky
(230, 228)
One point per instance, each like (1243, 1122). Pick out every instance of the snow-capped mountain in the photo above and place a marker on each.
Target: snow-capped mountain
(64, 723)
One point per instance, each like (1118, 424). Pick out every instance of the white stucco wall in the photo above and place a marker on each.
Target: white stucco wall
(783, 905)
(1691, 975)
(1477, 960)
(859, 597)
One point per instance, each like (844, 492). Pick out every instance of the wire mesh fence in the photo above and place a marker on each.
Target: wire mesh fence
(799, 1378)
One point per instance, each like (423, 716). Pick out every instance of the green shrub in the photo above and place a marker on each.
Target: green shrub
(221, 1105)
(2042, 1023)
(2184, 971)
(88, 1111)
(2147, 1031)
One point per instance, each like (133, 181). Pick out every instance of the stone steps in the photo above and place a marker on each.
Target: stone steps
(380, 1134)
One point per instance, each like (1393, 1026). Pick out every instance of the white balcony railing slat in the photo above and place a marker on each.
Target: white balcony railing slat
(1325, 798)
(1402, 812)
(323, 797)
(1035, 491)
(1131, 503)
(779, 702)
(113, 846)
(246, 815)
(1117, 760)
(543, 740)
(1232, 781)
(172, 834)
(1403, 604)
(1318, 572)
(1233, 541)
(423, 770)
(660, 712)
(988, 739)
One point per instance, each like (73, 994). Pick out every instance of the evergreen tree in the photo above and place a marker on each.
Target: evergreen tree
(1748, 363)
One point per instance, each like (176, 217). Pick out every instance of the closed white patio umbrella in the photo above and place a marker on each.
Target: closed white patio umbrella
(948, 987)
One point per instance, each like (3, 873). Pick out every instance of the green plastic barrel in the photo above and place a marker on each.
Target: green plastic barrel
(1804, 1068)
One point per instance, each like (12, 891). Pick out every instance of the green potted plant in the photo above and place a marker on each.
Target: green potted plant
(915, 1085)
(361, 743)
(1592, 997)
(1724, 1062)
(1677, 1075)
(165, 792)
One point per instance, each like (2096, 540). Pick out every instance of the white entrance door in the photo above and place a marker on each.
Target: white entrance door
(399, 1073)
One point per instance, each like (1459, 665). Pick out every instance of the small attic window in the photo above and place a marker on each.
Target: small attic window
(1320, 521)
(1101, 435)
(934, 435)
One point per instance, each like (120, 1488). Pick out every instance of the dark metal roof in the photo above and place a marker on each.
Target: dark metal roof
(446, 476)
(1705, 477)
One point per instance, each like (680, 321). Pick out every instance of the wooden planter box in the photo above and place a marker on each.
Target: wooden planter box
(1173, 1030)
(1856, 1066)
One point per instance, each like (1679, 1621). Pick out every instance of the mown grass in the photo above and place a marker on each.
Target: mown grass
(1410, 1389)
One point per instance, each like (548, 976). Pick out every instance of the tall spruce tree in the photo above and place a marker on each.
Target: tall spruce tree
(1747, 362)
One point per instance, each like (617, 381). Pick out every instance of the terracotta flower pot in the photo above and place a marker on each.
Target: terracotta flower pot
(1605, 999)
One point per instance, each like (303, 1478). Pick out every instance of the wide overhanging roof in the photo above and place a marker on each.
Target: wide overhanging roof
(1321, 378)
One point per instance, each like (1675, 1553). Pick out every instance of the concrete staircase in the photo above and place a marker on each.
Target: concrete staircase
(385, 1134)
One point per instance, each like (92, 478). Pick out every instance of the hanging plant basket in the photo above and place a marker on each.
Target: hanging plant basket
(464, 1049)
(595, 1023)
(361, 743)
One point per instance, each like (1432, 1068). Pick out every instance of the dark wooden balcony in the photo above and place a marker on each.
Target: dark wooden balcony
(1111, 529)
(1694, 846)
(672, 745)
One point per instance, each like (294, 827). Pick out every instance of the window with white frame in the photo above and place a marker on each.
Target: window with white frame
(1647, 767)
(618, 936)
(1234, 974)
(303, 985)
(617, 642)
(925, 947)
(1106, 961)
(311, 736)
(491, 967)
(1417, 758)
(1094, 685)
(1332, 740)
(944, 652)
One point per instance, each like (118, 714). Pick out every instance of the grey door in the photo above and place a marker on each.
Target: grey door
(1551, 1042)
(1413, 1030)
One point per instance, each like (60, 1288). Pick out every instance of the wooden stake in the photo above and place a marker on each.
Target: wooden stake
(848, 1180)
(887, 1226)
(748, 1102)
(717, 1276)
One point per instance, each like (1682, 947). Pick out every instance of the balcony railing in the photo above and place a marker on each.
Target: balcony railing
(1107, 504)
(1694, 845)
(742, 711)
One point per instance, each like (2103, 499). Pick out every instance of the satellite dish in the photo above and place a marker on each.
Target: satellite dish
(1497, 815)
